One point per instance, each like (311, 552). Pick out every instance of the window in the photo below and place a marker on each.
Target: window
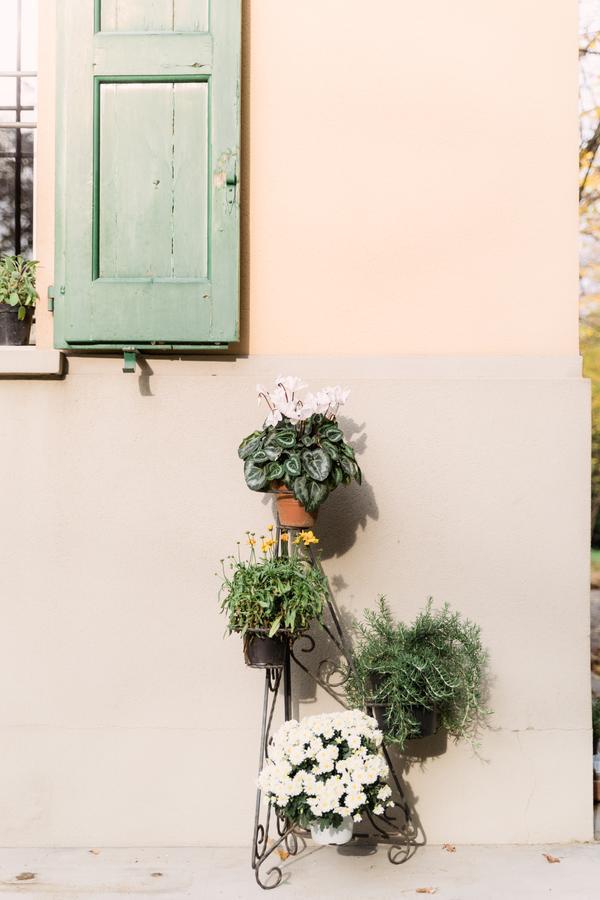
(18, 96)
(147, 203)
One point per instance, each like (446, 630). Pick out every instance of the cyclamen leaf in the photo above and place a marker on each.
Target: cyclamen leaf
(301, 490)
(259, 457)
(347, 450)
(317, 494)
(332, 433)
(349, 467)
(249, 445)
(292, 466)
(330, 449)
(273, 452)
(274, 471)
(316, 463)
(255, 477)
(286, 438)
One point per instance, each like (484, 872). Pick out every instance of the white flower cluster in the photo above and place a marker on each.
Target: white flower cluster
(327, 763)
(282, 401)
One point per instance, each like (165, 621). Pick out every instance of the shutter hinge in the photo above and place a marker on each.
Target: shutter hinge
(52, 295)
(232, 181)
(130, 355)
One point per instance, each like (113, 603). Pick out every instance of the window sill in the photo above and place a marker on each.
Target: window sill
(30, 362)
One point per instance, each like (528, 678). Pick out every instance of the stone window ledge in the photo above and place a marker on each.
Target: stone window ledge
(30, 362)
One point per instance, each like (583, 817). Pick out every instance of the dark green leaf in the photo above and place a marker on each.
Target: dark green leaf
(286, 438)
(249, 445)
(255, 477)
(292, 466)
(330, 449)
(301, 489)
(274, 471)
(316, 463)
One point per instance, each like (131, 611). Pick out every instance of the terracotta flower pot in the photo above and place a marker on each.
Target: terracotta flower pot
(290, 511)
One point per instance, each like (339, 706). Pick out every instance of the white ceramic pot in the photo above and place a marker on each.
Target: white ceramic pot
(340, 835)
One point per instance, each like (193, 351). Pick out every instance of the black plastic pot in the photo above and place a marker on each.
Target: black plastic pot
(427, 719)
(264, 652)
(13, 331)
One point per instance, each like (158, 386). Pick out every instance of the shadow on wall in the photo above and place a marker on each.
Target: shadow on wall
(347, 508)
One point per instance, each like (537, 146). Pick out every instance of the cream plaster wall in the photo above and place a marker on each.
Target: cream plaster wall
(410, 176)
(409, 224)
(126, 718)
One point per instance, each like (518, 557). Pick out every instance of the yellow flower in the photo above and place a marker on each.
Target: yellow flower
(252, 541)
(306, 538)
(267, 544)
(285, 537)
(270, 528)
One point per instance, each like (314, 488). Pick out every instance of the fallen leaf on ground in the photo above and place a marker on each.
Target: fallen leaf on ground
(283, 855)
(94, 851)
(450, 848)
(156, 875)
(550, 858)
(25, 876)
(426, 890)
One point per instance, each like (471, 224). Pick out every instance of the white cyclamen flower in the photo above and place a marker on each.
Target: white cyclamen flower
(290, 384)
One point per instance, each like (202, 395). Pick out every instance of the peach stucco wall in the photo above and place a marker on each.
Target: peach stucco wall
(409, 220)
(400, 191)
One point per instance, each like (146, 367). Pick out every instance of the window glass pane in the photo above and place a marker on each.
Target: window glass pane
(8, 91)
(29, 36)
(28, 115)
(8, 35)
(27, 204)
(28, 91)
(8, 141)
(7, 204)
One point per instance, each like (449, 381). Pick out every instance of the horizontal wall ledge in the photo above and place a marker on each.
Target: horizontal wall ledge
(30, 362)
(337, 368)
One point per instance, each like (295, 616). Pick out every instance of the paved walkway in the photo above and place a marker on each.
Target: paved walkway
(468, 873)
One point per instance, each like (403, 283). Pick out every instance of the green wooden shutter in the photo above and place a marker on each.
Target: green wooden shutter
(147, 233)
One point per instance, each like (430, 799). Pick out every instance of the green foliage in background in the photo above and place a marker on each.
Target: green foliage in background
(311, 458)
(17, 283)
(596, 721)
(272, 593)
(437, 662)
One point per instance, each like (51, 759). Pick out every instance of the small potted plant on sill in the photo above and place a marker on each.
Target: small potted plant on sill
(300, 453)
(270, 598)
(420, 677)
(325, 772)
(18, 296)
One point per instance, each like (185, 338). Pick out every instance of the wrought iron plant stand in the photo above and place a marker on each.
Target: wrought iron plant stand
(275, 837)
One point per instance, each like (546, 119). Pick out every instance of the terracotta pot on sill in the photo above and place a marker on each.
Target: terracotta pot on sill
(290, 511)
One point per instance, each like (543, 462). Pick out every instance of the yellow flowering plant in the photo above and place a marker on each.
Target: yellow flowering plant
(269, 592)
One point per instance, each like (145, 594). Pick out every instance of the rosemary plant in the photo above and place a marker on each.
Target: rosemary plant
(438, 662)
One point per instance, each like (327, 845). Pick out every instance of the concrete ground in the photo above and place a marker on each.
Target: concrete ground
(468, 873)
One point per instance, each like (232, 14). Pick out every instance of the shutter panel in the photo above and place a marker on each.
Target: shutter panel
(147, 233)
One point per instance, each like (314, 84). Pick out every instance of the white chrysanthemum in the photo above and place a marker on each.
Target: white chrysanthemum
(384, 792)
(378, 810)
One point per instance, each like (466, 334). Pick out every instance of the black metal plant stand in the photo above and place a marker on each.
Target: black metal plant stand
(275, 838)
